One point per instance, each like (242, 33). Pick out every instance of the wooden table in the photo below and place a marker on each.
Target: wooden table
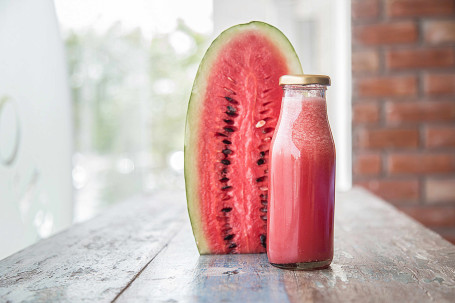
(143, 251)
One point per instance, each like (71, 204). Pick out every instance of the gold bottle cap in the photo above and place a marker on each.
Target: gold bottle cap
(304, 79)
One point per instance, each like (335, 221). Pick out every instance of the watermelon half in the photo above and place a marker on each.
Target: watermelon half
(232, 113)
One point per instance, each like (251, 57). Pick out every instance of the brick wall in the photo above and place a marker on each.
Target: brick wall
(403, 63)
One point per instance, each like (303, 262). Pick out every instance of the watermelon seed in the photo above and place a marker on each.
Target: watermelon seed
(263, 188)
(266, 90)
(231, 110)
(229, 99)
(225, 162)
(224, 179)
(221, 135)
(260, 124)
(264, 202)
(267, 103)
(229, 237)
(260, 179)
(233, 245)
(267, 139)
(227, 151)
(263, 239)
(261, 161)
(265, 111)
(264, 196)
(230, 122)
(264, 218)
(267, 130)
(226, 187)
(264, 210)
(262, 154)
(229, 90)
(225, 141)
(226, 209)
(229, 129)
(230, 79)
(224, 171)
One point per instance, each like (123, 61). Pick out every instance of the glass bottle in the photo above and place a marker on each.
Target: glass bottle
(302, 177)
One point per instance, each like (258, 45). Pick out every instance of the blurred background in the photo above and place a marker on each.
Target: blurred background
(93, 98)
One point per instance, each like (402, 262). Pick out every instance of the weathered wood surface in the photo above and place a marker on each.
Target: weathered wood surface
(96, 260)
(145, 252)
(381, 256)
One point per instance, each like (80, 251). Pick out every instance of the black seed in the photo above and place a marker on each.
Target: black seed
(263, 196)
(221, 134)
(267, 130)
(261, 161)
(260, 179)
(229, 130)
(225, 162)
(232, 114)
(263, 240)
(226, 209)
(231, 109)
(262, 153)
(264, 218)
(225, 141)
(233, 245)
(227, 151)
(228, 121)
(224, 179)
(226, 187)
(224, 171)
(229, 237)
(264, 210)
(229, 99)
(264, 202)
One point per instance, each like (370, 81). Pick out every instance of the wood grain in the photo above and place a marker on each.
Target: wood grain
(381, 255)
(144, 251)
(96, 260)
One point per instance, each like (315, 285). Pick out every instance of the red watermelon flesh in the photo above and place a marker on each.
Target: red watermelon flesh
(233, 111)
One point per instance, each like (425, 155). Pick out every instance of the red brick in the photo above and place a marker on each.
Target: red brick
(439, 84)
(364, 9)
(367, 164)
(437, 32)
(440, 190)
(385, 33)
(398, 112)
(393, 190)
(387, 138)
(365, 61)
(387, 86)
(423, 163)
(365, 112)
(412, 8)
(420, 58)
(440, 136)
(432, 216)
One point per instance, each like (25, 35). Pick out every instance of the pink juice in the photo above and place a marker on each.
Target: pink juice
(301, 186)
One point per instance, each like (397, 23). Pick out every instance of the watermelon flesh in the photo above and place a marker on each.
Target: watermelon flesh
(233, 111)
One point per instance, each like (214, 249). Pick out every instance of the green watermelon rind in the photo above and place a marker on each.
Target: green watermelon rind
(277, 38)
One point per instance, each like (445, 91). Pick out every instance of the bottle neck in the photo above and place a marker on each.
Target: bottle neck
(304, 91)
(304, 101)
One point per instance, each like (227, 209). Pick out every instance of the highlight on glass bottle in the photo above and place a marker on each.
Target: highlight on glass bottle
(302, 177)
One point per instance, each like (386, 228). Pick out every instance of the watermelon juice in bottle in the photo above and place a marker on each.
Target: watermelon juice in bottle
(302, 177)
